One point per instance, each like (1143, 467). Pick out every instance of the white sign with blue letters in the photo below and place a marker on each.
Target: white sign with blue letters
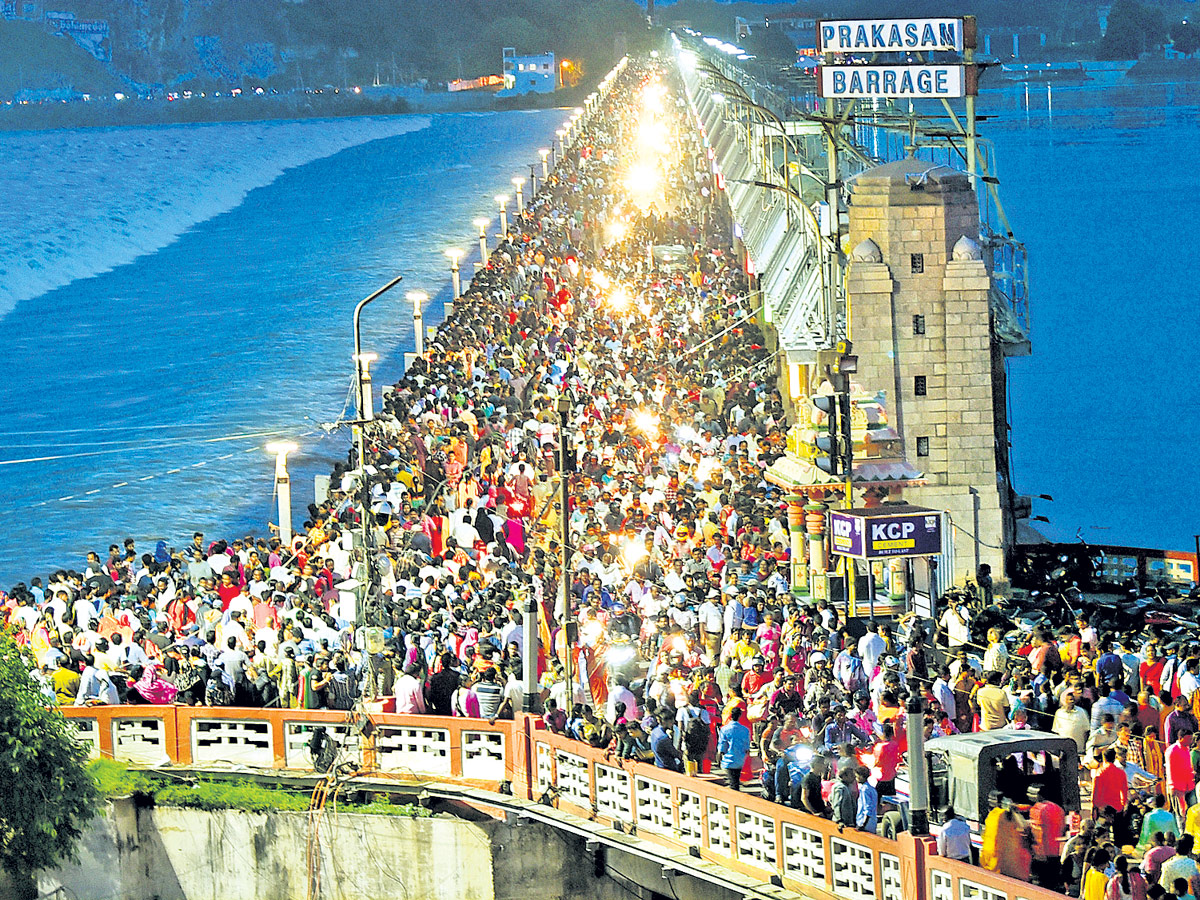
(857, 82)
(890, 35)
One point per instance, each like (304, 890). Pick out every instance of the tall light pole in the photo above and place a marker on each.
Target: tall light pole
(366, 404)
(564, 589)
(455, 255)
(283, 489)
(366, 407)
(519, 183)
(532, 182)
(544, 153)
(362, 406)
(481, 223)
(417, 299)
(358, 314)
(562, 141)
(502, 201)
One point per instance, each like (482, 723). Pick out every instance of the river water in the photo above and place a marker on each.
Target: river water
(165, 290)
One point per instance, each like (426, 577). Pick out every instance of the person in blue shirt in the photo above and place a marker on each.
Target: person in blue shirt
(733, 745)
(842, 731)
(794, 763)
(665, 754)
(867, 816)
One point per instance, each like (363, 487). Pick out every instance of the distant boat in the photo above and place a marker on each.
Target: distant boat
(1107, 72)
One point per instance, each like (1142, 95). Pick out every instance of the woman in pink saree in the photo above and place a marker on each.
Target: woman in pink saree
(152, 688)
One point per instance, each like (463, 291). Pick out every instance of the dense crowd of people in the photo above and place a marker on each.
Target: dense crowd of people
(688, 648)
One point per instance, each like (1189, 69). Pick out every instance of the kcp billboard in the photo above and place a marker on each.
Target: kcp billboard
(882, 532)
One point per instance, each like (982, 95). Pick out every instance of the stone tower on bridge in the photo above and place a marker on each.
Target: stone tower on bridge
(923, 322)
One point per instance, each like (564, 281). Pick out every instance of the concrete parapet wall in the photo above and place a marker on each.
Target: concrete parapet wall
(132, 853)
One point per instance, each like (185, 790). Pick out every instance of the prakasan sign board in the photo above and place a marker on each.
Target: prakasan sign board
(859, 82)
(885, 532)
(889, 35)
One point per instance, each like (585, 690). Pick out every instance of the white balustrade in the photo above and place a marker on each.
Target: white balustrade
(87, 732)
(297, 743)
(232, 741)
(691, 818)
(889, 870)
(718, 826)
(756, 839)
(803, 854)
(613, 794)
(574, 784)
(423, 751)
(941, 886)
(654, 809)
(853, 870)
(483, 755)
(970, 890)
(141, 741)
(543, 772)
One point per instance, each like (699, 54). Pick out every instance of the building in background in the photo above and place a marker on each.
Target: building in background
(536, 74)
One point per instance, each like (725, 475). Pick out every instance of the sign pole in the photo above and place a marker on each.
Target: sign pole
(971, 79)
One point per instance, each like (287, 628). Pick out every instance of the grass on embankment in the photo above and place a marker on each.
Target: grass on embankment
(115, 779)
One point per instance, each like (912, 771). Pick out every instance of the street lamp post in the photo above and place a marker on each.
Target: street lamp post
(366, 406)
(529, 654)
(532, 182)
(362, 407)
(562, 141)
(358, 314)
(283, 489)
(481, 223)
(564, 590)
(519, 183)
(544, 153)
(417, 299)
(502, 201)
(455, 279)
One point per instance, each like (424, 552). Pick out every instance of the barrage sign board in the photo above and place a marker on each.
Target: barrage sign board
(889, 35)
(885, 531)
(858, 82)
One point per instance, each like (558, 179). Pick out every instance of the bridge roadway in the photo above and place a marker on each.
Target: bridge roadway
(685, 836)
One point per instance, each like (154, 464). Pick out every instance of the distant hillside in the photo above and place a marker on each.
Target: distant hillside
(32, 59)
(285, 44)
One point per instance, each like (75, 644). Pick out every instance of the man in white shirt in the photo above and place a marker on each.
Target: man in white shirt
(954, 840)
(622, 694)
(870, 647)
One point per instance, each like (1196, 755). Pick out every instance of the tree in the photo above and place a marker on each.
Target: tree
(1186, 38)
(46, 793)
(1132, 30)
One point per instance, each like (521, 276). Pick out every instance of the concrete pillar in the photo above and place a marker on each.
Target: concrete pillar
(920, 323)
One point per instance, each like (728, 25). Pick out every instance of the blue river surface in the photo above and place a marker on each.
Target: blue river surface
(239, 323)
(227, 310)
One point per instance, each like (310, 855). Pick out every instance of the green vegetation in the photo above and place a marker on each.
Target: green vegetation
(115, 779)
(33, 58)
(243, 795)
(1132, 29)
(48, 796)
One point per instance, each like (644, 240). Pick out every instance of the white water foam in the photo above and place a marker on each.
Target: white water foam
(107, 196)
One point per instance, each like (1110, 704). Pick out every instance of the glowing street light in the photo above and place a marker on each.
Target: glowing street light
(519, 183)
(455, 255)
(544, 153)
(562, 141)
(283, 488)
(417, 299)
(481, 223)
(502, 200)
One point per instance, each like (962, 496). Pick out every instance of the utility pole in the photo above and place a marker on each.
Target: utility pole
(566, 452)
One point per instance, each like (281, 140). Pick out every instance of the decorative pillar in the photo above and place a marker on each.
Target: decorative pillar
(814, 525)
(798, 577)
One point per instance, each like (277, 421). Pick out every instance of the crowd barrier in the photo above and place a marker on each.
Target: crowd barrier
(696, 815)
